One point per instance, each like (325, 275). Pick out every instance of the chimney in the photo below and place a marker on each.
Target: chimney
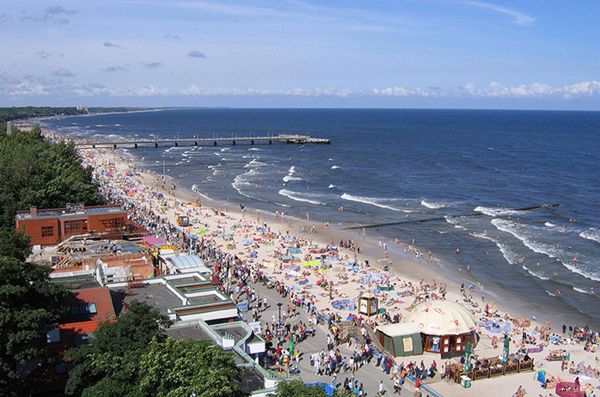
(33, 211)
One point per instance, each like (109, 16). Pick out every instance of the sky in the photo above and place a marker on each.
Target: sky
(528, 54)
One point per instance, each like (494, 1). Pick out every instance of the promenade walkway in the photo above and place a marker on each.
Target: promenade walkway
(368, 374)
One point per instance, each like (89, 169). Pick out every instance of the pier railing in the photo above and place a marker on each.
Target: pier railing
(196, 141)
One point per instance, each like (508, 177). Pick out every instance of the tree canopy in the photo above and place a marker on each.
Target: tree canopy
(15, 113)
(133, 357)
(29, 305)
(35, 172)
(109, 364)
(176, 368)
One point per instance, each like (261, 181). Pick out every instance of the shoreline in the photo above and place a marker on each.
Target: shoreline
(402, 259)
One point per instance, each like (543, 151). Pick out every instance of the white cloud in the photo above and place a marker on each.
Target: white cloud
(534, 90)
(31, 86)
(194, 90)
(519, 18)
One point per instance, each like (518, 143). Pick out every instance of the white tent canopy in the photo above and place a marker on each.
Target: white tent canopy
(399, 329)
(442, 318)
(186, 263)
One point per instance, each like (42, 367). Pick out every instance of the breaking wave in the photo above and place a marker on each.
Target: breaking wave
(432, 205)
(509, 255)
(303, 197)
(377, 202)
(494, 212)
(517, 231)
(591, 234)
(290, 176)
(243, 181)
(254, 163)
(453, 221)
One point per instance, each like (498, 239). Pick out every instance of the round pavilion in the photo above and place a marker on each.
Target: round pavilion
(446, 327)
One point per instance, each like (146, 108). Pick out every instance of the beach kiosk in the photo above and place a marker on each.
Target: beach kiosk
(401, 339)
(445, 327)
(368, 304)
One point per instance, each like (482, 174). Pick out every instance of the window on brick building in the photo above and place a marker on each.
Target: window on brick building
(75, 226)
(47, 231)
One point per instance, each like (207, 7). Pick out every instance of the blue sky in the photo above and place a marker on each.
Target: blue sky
(299, 53)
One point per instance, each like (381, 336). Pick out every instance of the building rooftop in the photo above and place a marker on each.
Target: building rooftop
(75, 282)
(69, 211)
(157, 295)
(81, 249)
(185, 263)
(91, 304)
(192, 332)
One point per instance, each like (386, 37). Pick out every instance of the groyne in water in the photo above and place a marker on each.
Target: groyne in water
(439, 218)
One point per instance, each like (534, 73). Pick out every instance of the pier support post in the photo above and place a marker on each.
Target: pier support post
(233, 142)
(155, 144)
(270, 142)
(135, 145)
(176, 143)
(196, 143)
(114, 145)
(93, 146)
(215, 143)
(252, 142)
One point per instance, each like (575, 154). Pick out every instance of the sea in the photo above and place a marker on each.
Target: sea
(447, 180)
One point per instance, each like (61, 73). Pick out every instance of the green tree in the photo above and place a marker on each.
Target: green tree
(29, 305)
(14, 245)
(109, 364)
(295, 388)
(35, 172)
(175, 368)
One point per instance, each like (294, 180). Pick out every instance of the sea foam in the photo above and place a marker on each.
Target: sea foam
(377, 202)
(494, 212)
(432, 205)
(303, 197)
(591, 234)
(524, 234)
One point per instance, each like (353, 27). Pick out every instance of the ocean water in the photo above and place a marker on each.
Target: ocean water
(464, 172)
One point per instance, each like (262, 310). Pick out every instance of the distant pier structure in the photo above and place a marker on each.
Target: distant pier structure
(196, 141)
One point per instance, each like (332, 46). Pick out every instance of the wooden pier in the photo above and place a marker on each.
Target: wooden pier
(196, 141)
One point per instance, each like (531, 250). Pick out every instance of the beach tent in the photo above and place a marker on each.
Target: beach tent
(401, 339)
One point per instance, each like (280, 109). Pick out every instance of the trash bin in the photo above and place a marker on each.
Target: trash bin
(465, 381)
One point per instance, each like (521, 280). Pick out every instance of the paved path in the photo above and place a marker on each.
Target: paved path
(368, 374)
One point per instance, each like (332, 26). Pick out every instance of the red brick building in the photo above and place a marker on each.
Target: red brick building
(51, 226)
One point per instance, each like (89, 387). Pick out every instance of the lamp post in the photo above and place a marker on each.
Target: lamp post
(279, 304)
